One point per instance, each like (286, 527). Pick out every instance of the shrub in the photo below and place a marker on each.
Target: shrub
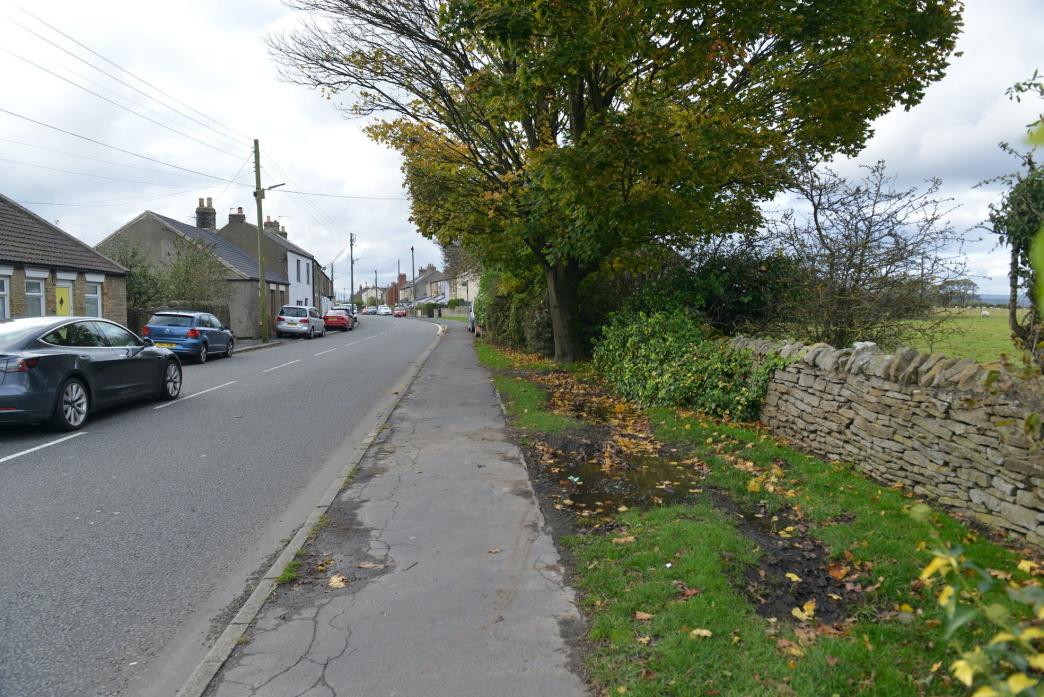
(670, 359)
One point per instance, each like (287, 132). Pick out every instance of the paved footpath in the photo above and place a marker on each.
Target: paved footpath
(453, 586)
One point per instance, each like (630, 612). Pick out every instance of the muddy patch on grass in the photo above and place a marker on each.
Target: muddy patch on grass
(794, 569)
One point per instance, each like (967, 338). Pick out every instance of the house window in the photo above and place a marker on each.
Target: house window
(298, 270)
(34, 298)
(92, 300)
(5, 304)
(308, 273)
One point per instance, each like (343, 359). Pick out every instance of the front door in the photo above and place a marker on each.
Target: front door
(63, 306)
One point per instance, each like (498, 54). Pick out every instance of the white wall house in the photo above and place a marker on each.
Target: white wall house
(299, 271)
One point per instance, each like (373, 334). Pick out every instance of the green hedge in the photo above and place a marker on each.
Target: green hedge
(671, 359)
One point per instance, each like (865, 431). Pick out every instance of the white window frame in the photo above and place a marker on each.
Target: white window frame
(5, 296)
(88, 296)
(39, 297)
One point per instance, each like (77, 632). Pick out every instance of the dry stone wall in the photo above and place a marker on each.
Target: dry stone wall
(948, 429)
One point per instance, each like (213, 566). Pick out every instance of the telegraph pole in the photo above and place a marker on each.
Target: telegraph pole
(262, 295)
(413, 264)
(376, 297)
(351, 266)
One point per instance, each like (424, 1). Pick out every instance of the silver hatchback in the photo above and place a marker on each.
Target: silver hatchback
(299, 320)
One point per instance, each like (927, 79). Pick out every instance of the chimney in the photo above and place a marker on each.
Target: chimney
(271, 225)
(282, 231)
(402, 280)
(206, 216)
(237, 217)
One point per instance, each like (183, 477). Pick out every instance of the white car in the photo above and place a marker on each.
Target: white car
(299, 320)
(384, 310)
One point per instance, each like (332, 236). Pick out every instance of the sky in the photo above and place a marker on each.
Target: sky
(212, 65)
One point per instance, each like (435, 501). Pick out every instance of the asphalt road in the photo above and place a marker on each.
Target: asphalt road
(122, 548)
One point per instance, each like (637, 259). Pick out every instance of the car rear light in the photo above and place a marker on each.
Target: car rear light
(280, 318)
(145, 331)
(20, 365)
(193, 333)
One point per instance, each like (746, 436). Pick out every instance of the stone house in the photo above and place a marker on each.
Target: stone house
(46, 271)
(464, 286)
(309, 284)
(155, 236)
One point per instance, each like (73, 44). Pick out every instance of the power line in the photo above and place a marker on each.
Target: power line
(112, 202)
(118, 149)
(117, 104)
(122, 82)
(88, 157)
(124, 70)
(86, 174)
(362, 198)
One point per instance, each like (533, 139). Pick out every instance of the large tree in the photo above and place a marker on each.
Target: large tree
(562, 132)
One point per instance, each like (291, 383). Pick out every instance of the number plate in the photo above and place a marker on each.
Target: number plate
(164, 344)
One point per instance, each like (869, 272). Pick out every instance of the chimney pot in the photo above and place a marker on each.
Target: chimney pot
(239, 210)
(206, 216)
(201, 203)
(210, 202)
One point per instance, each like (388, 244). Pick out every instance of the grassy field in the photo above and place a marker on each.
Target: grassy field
(969, 335)
(712, 560)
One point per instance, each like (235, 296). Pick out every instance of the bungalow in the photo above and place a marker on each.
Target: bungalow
(46, 271)
(154, 235)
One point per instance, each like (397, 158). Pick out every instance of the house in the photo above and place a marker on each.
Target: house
(464, 285)
(154, 235)
(46, 271)
(309, 283)
(369, 296)
(394, 295)
(419, 290)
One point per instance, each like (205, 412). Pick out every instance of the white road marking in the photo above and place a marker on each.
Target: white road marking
(326, 351)
(194, 394)
(41, 447)
(281, 365)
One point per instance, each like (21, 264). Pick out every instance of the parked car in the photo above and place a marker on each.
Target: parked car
(371, 310)
(197, 335)
(63, 369)
(339, 319)
(300, 320)
(384, 310)
(399, 311)
(471, 317)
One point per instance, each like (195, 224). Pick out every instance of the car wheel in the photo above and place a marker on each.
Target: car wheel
(202, 353)
(171, 387)
(231, 348)
(311, 332)
(70, 412)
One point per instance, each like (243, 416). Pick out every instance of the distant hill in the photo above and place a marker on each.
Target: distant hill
(998, 299)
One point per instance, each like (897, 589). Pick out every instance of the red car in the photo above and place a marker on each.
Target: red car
(339, 319)
(400, 311)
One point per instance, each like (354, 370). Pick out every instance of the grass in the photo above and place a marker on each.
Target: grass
(893, 642)
(290, 572)
(455, 318)
(969, 335)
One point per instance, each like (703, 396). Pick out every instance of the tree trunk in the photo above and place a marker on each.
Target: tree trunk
(563, 294)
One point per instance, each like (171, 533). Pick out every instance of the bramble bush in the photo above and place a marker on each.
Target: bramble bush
(672, 359)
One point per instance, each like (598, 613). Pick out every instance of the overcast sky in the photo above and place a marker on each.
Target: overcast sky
(210, 56)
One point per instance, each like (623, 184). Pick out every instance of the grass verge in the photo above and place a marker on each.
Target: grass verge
(290, 572)
(713, 596)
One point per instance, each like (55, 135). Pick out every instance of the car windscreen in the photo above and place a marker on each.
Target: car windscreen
(291, 311)
(171, 321)
(336, 313)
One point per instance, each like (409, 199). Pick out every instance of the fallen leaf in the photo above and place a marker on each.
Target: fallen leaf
(644, 640)
(837, 571)
(789, 648)
(642, 616)
(625, 540)
(832, 661)
(1028, 566)
(793, 577)
(369, 565)
(494, 550)
(806, 612)
(622, 509)
(337, 581)
(698, 633)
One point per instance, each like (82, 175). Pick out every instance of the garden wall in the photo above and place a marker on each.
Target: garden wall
(948, 429)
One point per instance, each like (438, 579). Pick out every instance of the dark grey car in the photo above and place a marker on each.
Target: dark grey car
(62, 369)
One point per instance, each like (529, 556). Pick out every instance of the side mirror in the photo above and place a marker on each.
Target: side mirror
(146, 341)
